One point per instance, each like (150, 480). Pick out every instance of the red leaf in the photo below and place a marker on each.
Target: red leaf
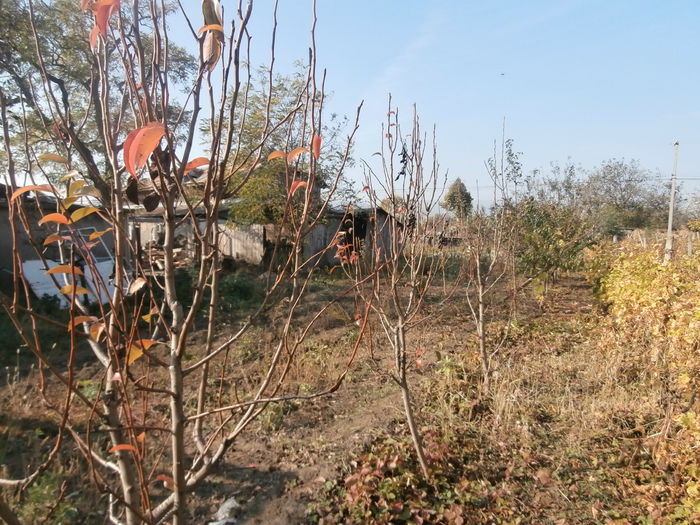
(56, 237)
(103, 10)
(140, 143)
(43, 187)
(54, 217)
(196, 163)
(365, 188)
(117, 448)
(94, 33)
(296, 185)
(295, 153)
(316, 146)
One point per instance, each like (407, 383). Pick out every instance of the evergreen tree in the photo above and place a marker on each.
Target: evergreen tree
(458, 199)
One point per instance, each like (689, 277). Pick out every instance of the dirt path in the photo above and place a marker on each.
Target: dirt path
(558, 443)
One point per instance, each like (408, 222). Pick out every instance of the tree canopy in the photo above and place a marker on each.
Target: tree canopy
(458, 199)
(270, 102)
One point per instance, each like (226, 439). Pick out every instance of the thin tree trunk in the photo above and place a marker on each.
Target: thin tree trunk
(177, 415)
(400, 345)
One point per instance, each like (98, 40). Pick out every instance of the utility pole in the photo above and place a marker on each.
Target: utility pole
(668, 251)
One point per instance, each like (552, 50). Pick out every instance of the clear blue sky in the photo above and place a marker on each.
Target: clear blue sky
(585, 80)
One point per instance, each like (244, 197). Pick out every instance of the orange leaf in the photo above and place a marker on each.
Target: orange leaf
(136, 285)
(80, 320)
(316, 146)
(296, 185)
(196, 163)
(141, 437)
(146, 343)
(70, 289)
(82, 212)
(276, 155)
(94, 33)
(43, 187)
(295, 153)
(140, 144)
(54, 217)
(211, 27)
(117, 448)
(65, 268)
(96, 235)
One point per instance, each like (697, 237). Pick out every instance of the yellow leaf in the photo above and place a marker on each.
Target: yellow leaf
(96, 235)
(65, 268)
(71, 174)
(53, 158)
(149, 315)
(74, 186)
(69, 289)
(82, 212)
(67, 203)
(134, 353)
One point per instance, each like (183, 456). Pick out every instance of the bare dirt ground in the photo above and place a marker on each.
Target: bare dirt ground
(558, 441)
